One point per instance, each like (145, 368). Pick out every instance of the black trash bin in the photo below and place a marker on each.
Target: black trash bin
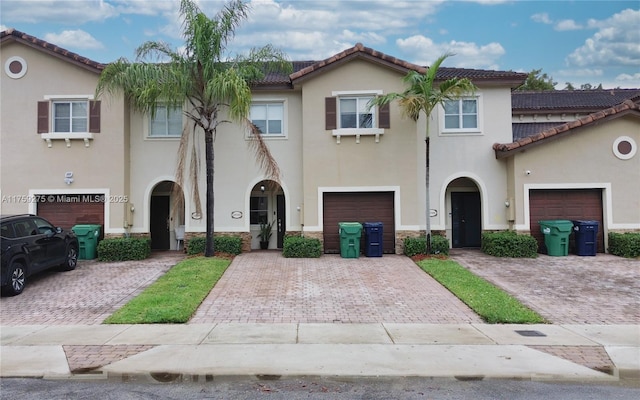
(372, 239)
(586, 233)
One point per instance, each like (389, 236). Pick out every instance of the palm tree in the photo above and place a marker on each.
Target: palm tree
(423, 95)
(201, 78)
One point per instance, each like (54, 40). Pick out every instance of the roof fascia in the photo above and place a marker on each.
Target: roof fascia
(356, 55)
(570, 130)
(11, 38)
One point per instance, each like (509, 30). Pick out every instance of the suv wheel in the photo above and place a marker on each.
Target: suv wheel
(72, 259)
(17, 279)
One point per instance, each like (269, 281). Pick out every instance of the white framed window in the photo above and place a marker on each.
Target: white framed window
(268, 117)
(347, 113)
(70, 116)
(355, 113)
(258, 210)
(461, 116)
(167, 122)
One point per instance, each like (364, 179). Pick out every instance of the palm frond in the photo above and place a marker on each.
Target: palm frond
(264, 159)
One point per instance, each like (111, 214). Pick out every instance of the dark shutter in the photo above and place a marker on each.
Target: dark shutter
(330, 117)
(94, 116)
(384, 119)
(43, 117)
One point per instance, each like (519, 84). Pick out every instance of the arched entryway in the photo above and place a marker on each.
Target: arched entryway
(465, 213)
(166, 215)
(267, 213)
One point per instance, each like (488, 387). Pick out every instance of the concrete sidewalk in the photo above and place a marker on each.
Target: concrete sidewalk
(462, 351)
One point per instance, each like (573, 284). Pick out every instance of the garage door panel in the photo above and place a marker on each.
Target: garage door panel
(65, 214)
(358, 207)
(571, 204)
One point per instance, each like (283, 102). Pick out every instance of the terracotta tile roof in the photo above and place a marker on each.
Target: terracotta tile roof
(522, 130)
(32, 41)
(359, 50)
(514, 79)
(507, 149)
(569, 101)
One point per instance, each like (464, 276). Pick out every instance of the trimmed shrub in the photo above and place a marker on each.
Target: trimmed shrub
(417, 245)
(222, 244)
(624, 244)
(509, 244)
(301, 247)
(124, 249)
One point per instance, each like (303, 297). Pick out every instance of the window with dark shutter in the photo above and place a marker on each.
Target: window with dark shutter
(94, 116)
(43, 117)
(330, 113)
(384, 118)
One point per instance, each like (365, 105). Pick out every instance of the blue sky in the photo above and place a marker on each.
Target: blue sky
(576, 41)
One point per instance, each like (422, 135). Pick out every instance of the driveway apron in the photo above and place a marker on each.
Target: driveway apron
(264, 287)
(604, 289)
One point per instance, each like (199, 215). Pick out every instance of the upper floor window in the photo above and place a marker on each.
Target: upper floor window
(167, 122)
(355, 113)
(268, 118)
(70, 116)
(347, 113)
(461, 115)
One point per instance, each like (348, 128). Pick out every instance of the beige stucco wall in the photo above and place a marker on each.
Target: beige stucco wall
(584, 159)
(30, 166)
(471, 156)
(398, 160)
(389, 165)
(235, 171)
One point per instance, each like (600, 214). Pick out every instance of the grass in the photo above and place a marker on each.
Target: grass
(492, 304)
(175, 296)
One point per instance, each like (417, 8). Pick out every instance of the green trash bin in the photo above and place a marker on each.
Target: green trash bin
(556, 236)
(87, 240)
(350, 233)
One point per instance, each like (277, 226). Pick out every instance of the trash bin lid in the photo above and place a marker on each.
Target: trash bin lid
(372, 225)
(350, 227)
(85, 229)
(584, 222)
(562, 225)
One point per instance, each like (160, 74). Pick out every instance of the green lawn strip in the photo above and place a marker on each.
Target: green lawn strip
(175, 296)
(491, 303)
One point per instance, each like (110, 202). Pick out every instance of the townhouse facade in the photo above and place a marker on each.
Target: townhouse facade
(76, 159)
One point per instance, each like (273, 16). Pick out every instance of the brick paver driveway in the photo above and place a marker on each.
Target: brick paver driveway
(264, 287)
(86, 295)
(604, 289)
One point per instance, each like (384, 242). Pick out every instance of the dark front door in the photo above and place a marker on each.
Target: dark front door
(159, 225)
(465, 219)
(281, 220)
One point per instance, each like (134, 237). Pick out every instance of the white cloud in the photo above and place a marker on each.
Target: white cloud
(628, 77)
(467, 54)
(580, 73)
(567, 25)
(59, 11)
(542, 18)
(617, 42)
(76, 39)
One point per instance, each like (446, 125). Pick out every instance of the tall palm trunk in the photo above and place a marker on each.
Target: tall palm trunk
(209, 158)
(427, 202)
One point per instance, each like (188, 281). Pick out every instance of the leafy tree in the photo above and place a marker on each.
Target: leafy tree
(203, 80)
(588, 86)
(538, 81)
(569, 86)
(423, 95)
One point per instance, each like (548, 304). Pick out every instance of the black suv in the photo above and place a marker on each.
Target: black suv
(31, 244)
